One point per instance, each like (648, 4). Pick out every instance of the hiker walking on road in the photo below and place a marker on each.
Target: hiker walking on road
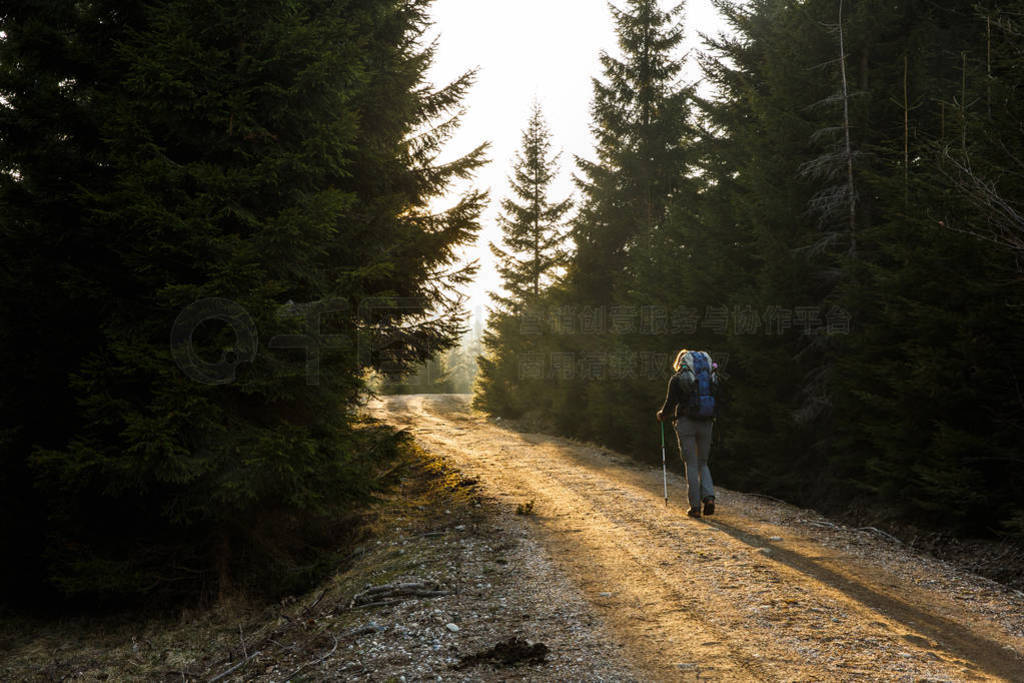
(691, 403)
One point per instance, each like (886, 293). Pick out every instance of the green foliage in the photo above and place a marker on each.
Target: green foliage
(159, 154)
(867, 321)
(563, 358)
(530, 260)
(641, 128)
(532, 234)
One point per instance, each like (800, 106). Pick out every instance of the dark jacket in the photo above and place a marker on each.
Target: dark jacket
(677, 399)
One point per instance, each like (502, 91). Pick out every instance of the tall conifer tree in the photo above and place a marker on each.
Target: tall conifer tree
(533, 235)
(529, 260)
(640, 125)
(267, 165)
(894, 415)
(882, 382)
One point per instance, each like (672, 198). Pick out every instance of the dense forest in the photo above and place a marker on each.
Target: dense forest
(835, 213)
(249, 182)
(220, 234)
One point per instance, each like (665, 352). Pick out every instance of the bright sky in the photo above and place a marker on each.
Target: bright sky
(524, 50)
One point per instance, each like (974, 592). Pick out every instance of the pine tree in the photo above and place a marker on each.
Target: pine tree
(530, 259)
(640, 125)
(894, 418)
(881, 382)
(836, 203)
(48, 149)
(937, 304)
(533, 237)
(984, 168)
(224, 162)
(640, 120)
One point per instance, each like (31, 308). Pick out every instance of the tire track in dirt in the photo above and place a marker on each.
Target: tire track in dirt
(992, 657)
(697, 600)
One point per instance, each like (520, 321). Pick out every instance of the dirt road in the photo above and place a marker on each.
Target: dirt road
(759, 591)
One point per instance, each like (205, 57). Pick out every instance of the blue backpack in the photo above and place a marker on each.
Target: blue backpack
(702, 393)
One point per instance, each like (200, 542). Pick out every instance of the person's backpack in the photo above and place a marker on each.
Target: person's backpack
(702, 387)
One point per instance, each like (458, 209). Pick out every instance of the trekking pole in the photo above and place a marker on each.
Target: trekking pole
(664, 472)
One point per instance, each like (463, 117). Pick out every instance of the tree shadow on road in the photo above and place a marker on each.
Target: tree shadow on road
(990, 656)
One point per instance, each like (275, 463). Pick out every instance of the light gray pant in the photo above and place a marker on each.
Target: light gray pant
(694, 449)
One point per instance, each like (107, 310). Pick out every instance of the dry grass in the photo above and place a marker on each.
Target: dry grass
(199, 643)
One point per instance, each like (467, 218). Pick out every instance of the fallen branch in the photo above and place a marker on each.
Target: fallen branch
(282, 645)
(309, 664)
(880, 532)
(389, 587)
(359, 631)
(315, 602)
(398, 600)
(235, 667)
(384, 594)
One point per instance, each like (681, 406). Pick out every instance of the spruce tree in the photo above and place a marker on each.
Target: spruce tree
(893, 417)
(49, 139)
(644, 137)
(936, 302)
(533, 235)
(881, 382)
(640, 126)
(252, 182)
(529, 260)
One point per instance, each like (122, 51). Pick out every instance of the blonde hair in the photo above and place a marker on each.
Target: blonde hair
(678, 363)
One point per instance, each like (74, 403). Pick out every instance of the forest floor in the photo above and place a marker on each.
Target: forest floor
(510, 555)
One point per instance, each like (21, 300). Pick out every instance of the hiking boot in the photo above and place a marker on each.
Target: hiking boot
(694, 512)
(709, 505)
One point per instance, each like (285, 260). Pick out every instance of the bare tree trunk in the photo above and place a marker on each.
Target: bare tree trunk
(963, 102)
(846, 133)
(536, 234)
(988, 64)
(223, 561)
(906, 136)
